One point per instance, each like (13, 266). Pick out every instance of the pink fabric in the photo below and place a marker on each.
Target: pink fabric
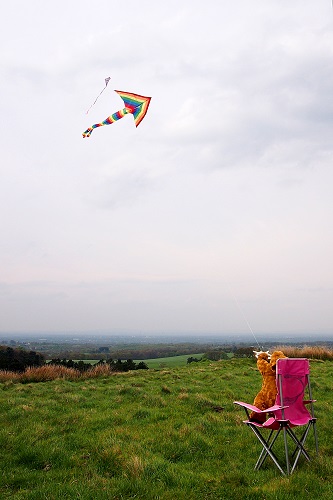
(293, 366)
(294, 377)
(257, 410)
(293, 373)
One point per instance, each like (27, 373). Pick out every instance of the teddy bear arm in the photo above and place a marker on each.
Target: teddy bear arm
(263, 366)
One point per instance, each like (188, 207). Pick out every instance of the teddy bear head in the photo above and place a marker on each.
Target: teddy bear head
(275, 356)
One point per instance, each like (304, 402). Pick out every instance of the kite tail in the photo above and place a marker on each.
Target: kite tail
(87, 133)
(110, 119)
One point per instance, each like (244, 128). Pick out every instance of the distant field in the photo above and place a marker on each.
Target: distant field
(171, 362)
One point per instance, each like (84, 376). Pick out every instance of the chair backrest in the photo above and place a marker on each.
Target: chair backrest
(292, 379)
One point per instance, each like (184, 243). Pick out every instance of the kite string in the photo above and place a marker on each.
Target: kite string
(106, 84)
(245, 319)
(95, 100)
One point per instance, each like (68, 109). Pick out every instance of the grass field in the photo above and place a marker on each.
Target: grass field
(152, 434)
(156, 363)
(171, 362)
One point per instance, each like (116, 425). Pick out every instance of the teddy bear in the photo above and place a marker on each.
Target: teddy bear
(266, 364)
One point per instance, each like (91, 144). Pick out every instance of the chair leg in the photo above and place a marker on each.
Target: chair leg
(267, 445)
(315, 435)
(300, 443)
(263, 455)
(299, 446)
(286, 449)
(268, 451)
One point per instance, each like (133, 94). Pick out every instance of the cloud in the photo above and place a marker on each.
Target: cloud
(226, 181)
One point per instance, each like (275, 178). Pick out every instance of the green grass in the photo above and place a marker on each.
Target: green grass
(155, 434)
(170, 362)
(156, 363)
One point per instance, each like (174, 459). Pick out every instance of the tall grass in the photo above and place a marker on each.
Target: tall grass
(310, 352)
(7, 375)
(98, 371)
(47, 373)
(50, 372)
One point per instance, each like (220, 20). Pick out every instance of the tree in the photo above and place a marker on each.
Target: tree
(18, 360)
(243, 352)
(193, 360)
(103, 349)
(141, 366)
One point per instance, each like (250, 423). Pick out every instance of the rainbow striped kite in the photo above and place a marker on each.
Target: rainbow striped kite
(135, 104)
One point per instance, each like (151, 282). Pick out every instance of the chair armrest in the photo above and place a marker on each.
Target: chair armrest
(257, 410)
(308, 401)
(248, 406)
(276, 408)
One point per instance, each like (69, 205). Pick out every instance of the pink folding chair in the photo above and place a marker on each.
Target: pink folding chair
(287, 415)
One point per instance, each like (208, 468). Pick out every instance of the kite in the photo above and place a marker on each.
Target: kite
(135, 104)
(106, 84)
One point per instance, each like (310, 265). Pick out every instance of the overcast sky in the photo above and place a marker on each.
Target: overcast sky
(214, 214)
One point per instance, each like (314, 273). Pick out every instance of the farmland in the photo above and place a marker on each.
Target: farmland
(171, 361)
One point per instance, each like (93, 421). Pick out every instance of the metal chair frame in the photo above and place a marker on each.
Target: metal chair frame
(280, 423)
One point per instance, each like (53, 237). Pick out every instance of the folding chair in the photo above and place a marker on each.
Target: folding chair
(288, 413)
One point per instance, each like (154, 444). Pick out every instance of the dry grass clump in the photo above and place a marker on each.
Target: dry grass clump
(50, 372)
(47, 373)
(135, 466)
(98, 371)
(310, 352)
(7, 376)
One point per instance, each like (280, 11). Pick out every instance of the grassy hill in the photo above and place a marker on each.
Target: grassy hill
(166, 434)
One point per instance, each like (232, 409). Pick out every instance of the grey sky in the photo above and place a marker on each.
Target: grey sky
(223, 194)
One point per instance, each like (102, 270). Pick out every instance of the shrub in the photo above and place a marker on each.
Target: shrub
(142, 366)
(78, 365)
(192, 359)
